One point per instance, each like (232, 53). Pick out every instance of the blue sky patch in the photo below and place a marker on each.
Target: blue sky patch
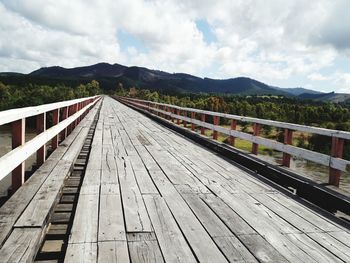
(127, 40)
(204, 27)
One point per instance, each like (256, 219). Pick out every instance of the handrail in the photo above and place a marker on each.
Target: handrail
(278, 124)
(334, 161)
(9, 116)
(65, 117)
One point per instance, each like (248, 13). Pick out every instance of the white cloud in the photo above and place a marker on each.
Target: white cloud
(273, 41)
(317, 77)
(342, 81)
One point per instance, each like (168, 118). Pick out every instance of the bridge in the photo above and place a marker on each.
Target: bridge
(124, 182)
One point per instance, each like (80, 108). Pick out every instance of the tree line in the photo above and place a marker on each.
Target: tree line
(322, 114)
(306, 112)
(13, 96)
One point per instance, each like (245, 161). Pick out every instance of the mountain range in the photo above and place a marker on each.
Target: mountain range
(110, 75)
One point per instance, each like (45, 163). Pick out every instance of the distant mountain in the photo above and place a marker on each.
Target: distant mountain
(93, 71)
(299, 91)
(109, 75)
(332, 97)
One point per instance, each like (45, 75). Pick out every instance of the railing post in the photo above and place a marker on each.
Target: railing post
(64, 116)
(70, 113)
(233, 127)
(79, 108)
(171, 110)
(336, 152)
(41, 127)
(193, 117)
(178, 113)
(202, 120)
(255, 146)
(185, 115)
(76, 109)
(55, 121)
(288, 139)
(216, 122)
(18, 139)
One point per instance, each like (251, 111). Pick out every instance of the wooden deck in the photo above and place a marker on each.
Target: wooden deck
(151, 195)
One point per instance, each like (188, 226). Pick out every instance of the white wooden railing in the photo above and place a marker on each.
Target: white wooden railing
(65, 116)
(197, 117)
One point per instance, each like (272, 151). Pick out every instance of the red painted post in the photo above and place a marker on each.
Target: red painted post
(76, 109)
(216, 121)
(55, 121)
(71, 111)
(185, 115)
(18, 138)
(233, 127)
(202, 120)
(337, 152)
(171, 111)
(41, 127)
(288, 139)
(64, 116)
(193, 117)
(79, 108)
(178, 113)
(255, 146)
(164, 110)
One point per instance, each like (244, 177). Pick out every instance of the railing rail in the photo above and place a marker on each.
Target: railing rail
(65, 116)
(197, 117)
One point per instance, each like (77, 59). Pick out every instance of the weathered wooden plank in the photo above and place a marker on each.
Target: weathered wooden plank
(269, 227)
(234, 251)
(85, 222)
(228, 243)
(170, 238)
(37, 212)
(110, 189)
(111, 220)
(296, 220)
(341, 236)
(39, 209)
(81, 253)
(314, 250)
(333, 245)
(201, 243)
(113, 251)
(108, 162)
(143, 247)
(144, 180)
(172, 168)
(313, 217)
(256, 244)
(136, 217)
(92, 177)
(22, 245)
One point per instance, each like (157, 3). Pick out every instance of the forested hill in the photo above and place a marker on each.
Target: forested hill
(109, 75)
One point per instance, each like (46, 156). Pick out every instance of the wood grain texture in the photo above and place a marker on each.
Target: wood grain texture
(143, 247)
(22, 245)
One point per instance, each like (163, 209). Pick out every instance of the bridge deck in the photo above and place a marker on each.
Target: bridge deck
(150, 195)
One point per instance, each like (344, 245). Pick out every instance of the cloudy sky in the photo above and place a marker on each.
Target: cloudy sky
(287, 43)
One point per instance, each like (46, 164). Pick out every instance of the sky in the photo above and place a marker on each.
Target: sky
(286, 43)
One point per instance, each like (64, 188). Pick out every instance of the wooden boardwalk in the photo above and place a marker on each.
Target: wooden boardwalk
(151, 195)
